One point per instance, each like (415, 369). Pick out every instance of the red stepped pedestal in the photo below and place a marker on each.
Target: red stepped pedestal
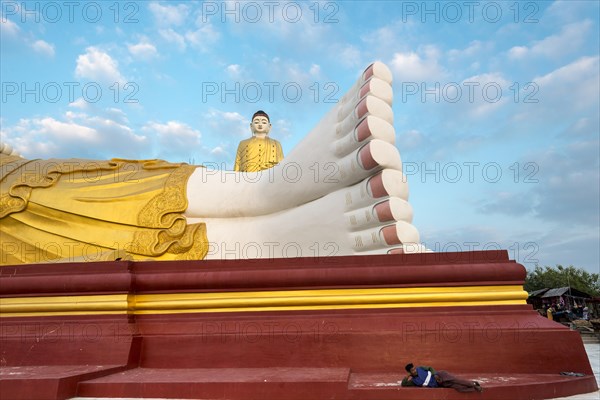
(316, 348)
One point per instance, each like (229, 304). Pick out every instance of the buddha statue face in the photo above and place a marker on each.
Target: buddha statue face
(260, 125)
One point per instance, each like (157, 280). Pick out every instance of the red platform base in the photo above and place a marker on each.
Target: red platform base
(321, 353)
(317, 384)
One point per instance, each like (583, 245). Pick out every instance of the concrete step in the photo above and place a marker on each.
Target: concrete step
(48, 381)
(499, 386)
(317, 384)
(221, 383)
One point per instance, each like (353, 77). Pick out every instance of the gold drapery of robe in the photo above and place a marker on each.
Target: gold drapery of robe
(62, 210)
(256, 154)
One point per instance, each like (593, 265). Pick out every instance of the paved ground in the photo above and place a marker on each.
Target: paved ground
(593, 352)
(592, 349)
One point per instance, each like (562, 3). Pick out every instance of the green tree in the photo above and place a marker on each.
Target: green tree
(559, 276)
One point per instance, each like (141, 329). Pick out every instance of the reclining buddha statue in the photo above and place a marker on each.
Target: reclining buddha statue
(341, 191)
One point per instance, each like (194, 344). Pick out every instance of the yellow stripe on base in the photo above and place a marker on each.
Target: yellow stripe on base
(264, 301)
(65, 305)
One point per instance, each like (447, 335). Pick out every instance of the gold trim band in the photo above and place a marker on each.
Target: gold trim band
(264, 301)
(65, 305)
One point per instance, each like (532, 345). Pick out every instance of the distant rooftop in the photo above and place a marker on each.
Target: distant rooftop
(561, 291)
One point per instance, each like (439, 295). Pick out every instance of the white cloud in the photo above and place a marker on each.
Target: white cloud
(290, 71)
(386, 35)
(315, 69)
(282, 129)
(484, 93)
(571, 72)
(296, 74)
(173, 37)
(586, 126)
(233, 116)
(473, 49)
(565, 173)
(76, 134)
(234, 70)
(203, 38)
(569, 39)
(144, 50)
(227, 124)
(569, 89)
(561, 11)
(219, 150)
(421, 66)
(168, 15)
(117, 115)
(507, 203)
(518, 52)
(98, 65)
(7, 27)
(475, 66)
(172, 130)
(66, 130)
(177, 141)
(349, 55)
(41, 136)
(79, 103)
(280, 27)
(10, 29)
(43, 47)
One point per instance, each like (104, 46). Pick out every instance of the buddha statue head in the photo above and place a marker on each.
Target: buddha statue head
(260, 124)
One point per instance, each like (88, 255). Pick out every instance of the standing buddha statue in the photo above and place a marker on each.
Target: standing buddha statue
(260, 151)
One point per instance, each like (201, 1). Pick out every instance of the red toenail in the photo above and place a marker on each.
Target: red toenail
(368, 73)
(366, 88)
(396, 251)
(366, 159)
(384, 211)
(390, 236)
(377, 188)
(362, 130)
(361, 109)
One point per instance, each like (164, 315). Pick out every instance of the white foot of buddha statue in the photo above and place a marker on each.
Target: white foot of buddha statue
(340, 192)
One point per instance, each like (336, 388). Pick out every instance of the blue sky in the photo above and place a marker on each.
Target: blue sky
(496, 102)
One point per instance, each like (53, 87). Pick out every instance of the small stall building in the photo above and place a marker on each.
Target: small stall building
(564, 299)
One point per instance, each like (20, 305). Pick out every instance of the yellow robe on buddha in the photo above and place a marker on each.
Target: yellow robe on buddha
(256, 154)
(84, 210)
